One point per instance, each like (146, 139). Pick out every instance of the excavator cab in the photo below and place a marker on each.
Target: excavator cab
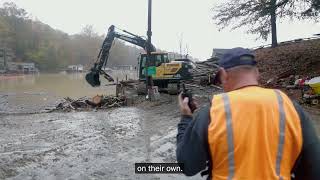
(156, 65)
(165, 74)
(161, 68)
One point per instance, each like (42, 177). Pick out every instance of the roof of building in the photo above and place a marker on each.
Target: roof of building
(219, 52)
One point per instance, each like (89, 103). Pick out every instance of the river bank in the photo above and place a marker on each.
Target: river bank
(89, 145)
(35, 93)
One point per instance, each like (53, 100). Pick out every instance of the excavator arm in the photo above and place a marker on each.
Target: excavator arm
(93, 77)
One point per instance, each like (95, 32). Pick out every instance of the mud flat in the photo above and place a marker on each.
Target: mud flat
(89, 145)
(93, 145)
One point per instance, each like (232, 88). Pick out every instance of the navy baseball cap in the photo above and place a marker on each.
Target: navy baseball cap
(235, 57)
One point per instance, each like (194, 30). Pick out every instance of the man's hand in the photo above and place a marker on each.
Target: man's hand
(184, 107)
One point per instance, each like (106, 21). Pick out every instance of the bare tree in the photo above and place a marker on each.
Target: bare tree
(313, 10)
(260, 16)
(88, 31)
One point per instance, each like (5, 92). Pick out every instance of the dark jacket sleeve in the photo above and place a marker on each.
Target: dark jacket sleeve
(308, 164)
(192, 142)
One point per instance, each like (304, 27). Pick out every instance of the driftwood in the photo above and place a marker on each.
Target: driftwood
(204, 73)
(97, 100)
(83, 104)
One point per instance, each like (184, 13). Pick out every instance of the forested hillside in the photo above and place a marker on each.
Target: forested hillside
(51, 49)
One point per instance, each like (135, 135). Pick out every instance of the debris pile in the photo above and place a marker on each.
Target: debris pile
(204, 72)
(289, 66)
(85, 104)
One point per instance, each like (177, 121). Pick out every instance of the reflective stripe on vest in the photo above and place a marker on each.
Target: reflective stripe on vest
(230, 140)
(282, 126)
(229, 135)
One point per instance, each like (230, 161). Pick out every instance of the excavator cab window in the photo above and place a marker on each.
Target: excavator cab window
(152, 61)
(158, 60)
(161, 58)
(143, 64)
(165, 58)
(143, 61)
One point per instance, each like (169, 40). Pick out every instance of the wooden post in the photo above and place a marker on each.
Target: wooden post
(117, 87)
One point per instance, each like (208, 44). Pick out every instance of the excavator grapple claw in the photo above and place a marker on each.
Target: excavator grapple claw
(93, 78)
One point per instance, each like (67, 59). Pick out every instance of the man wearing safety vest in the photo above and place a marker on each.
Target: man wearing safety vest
(248, 132)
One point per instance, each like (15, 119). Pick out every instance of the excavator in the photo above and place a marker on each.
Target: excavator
(165, 74)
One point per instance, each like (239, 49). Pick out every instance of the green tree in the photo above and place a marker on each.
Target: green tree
(89, 32)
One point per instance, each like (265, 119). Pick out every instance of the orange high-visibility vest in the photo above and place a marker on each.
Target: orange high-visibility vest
(254, 133)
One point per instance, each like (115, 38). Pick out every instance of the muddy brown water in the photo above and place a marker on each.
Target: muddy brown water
(63, 85)
(35, 93)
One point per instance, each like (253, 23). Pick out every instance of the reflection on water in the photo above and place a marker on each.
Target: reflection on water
(36, 93)
(61, 85)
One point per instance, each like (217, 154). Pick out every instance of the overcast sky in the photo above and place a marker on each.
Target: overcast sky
(172, 19)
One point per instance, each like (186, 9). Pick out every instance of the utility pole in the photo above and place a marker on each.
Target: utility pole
(187, 51)
(3, 56)
(5, 60)
(149, 34)
(180, 44)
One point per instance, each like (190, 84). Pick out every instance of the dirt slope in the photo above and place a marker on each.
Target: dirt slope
(300, 58)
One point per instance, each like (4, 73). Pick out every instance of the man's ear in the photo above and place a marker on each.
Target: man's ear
(223, 76)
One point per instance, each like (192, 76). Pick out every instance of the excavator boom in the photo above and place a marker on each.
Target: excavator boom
(93, 77)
